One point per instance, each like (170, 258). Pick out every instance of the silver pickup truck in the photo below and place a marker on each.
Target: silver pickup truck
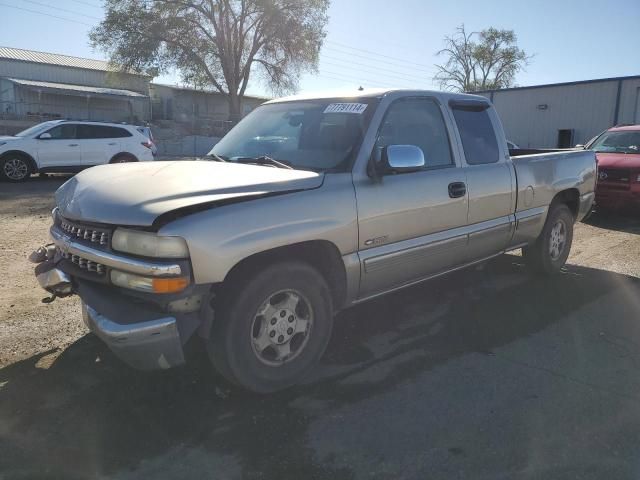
(308, 206)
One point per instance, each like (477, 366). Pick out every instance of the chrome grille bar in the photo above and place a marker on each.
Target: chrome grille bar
(67, 244)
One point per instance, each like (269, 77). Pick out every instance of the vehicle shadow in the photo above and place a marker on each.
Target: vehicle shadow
(628, 222)
(89, 415)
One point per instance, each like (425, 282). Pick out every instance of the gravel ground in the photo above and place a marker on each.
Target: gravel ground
(485, 374)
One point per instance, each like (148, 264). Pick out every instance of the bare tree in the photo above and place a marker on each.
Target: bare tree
(216, 44)
(482, 60)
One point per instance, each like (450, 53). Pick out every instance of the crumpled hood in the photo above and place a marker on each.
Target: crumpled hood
(618, 160)
(136, 194)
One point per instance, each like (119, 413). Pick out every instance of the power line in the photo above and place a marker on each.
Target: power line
(45, 14)
(354, 79)
(384, 76)
(394, 63)
(377, 70)
(342, 45)
(388, 81)
(360, 84)
(87, 3)
(351, 62)
(62, 9)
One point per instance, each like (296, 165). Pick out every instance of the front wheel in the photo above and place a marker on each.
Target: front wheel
(550, 251)
(272, 327)
(15, 168)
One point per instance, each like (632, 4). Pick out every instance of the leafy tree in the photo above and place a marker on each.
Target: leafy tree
(216, 44)
(482, 60)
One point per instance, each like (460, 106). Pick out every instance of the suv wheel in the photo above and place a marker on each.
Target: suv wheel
(550, 251)
(15, 168)
(123, 158)
(272, 327)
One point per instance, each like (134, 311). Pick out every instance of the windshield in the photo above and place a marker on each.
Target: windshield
(35, 129)
(618, 142)
(318, 135)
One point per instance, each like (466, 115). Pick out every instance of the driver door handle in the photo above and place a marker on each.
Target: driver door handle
(457, 189)
(73, 144)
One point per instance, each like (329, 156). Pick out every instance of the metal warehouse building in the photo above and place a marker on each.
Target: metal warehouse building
(564, 114)
(38, 86)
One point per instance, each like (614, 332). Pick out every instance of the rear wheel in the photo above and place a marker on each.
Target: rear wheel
(271, 327)
(123, 158)
(15, 168)
(550, 251)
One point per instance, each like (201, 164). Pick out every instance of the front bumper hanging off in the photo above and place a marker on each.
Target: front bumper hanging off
(138, 333)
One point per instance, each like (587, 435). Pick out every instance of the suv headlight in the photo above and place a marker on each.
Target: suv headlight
(148, 244)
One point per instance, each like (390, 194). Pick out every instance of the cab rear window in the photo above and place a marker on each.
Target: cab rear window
(477, 134)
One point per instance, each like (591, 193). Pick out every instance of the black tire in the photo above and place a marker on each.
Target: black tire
(15, 167)
(231, 343)
(123, 158)
(540, 256)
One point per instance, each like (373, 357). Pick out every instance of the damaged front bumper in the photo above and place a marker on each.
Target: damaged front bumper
(51, 278)
(146, 331)
(145, 345)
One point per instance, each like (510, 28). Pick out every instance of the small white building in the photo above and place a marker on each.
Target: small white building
(564, 114)
(36, 86)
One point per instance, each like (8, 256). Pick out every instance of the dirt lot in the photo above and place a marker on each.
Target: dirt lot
(486, 374)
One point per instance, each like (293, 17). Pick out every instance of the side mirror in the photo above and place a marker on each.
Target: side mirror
(45, 136)
(579, 145)
(403, 158)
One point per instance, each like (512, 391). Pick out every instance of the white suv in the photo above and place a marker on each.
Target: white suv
(69, 146)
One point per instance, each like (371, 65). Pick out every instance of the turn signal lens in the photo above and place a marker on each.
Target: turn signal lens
(170, 285)
(147, 284)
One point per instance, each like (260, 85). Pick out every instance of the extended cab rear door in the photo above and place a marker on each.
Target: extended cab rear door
(411, 225)
(490, 177)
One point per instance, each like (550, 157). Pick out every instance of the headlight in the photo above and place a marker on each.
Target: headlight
(3, 143)
(149, 244)
(147, 284)
(638, 178)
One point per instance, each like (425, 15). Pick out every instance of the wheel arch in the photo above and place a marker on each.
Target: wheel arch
(569, 197)
(323, 255)
(29, 158)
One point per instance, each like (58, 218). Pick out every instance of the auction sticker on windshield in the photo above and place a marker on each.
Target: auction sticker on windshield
(345, 108)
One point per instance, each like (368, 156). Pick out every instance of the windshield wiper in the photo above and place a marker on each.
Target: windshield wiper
(263, 160)
(216, 157)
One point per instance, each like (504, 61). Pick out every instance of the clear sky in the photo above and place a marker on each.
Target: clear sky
(393, 43)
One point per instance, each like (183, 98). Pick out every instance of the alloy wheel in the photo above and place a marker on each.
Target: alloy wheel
(281, 327)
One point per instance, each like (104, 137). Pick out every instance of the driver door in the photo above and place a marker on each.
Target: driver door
(62, 149)
(412, 225)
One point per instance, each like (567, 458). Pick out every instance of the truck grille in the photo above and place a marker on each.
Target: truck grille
(616, 175)
(84, 232)
(84, 264)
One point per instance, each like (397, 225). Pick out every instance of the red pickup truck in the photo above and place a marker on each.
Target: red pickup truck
(618, 154)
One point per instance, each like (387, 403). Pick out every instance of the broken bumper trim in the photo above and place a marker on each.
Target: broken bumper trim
(149, 345)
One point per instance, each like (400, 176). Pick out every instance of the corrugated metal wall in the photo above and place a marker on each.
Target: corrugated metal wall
(71, 75)
(532, 116)
(630, 102)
